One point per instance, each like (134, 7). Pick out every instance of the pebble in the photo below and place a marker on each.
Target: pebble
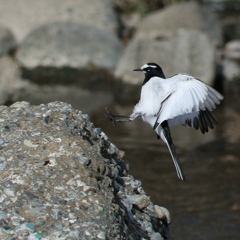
(101, 235)
(28, 143)
(34, 236)
(25, 226)
(3, 165)
(98, 131)
(162, 213)
(141, 201)
(156, 236)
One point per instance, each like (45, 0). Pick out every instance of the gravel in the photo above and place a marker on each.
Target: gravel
(62, 179)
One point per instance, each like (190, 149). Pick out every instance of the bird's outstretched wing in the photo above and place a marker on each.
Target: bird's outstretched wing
(189, 103)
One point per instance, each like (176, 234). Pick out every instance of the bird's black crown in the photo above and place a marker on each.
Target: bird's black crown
(151, 70)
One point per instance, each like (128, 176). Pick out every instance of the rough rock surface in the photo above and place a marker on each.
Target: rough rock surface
(62, 179)
(187, 51)
(21, 17)
(12, 86)
(7, 41)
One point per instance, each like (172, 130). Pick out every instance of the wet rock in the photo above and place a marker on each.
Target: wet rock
(59, 180)
(24, 18)
(7, 41)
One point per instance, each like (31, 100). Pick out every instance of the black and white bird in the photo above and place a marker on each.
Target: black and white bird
(165, 102)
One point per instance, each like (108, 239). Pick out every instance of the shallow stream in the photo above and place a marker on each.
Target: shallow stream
(207, 205)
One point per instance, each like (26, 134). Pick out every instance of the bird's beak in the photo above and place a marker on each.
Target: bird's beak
(138, 69)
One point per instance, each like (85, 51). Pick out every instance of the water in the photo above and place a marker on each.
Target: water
(207, 205)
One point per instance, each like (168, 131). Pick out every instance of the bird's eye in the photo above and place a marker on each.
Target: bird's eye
(148, 69)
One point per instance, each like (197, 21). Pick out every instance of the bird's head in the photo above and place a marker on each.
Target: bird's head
(151, 70)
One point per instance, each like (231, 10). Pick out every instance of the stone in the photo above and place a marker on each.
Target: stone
(21, 18)
(69, 45)
(7, 41)
(162, 213)
(180, 38)
(141, 201)
(186, 51)
(156, 236)
(45, 196)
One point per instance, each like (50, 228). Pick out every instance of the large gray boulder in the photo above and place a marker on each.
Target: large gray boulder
(68, 44)
(62, 179)
(7, 41)
(66, 52)
(21, 17)
(181, 38)
(187, 51)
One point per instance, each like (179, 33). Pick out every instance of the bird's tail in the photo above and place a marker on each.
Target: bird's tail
(166, 136)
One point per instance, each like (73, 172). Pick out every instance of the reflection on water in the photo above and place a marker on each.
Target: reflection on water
(207, 205)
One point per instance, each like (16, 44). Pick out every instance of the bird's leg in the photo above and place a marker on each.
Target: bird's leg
(120, 118)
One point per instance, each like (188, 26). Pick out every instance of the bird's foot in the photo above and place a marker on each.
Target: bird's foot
(110, 116)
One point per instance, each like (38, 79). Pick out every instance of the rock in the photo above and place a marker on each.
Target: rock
(69, 45)
(12, 87)
(141, 201)
(21, 18)
(186, 51)
(163, 213)
(7, 41)
(75, 53)
(180, 38)
(49, 189)
(156, 236)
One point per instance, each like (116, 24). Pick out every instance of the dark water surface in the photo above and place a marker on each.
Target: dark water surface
(207, 205)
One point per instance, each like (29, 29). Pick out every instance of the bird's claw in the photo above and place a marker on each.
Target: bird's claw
(110, 116)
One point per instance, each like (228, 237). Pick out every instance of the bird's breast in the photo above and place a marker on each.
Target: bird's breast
(150, 101)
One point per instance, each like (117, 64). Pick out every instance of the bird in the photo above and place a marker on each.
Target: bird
(178, 100)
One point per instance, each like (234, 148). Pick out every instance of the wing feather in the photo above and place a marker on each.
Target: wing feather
(189, 103)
